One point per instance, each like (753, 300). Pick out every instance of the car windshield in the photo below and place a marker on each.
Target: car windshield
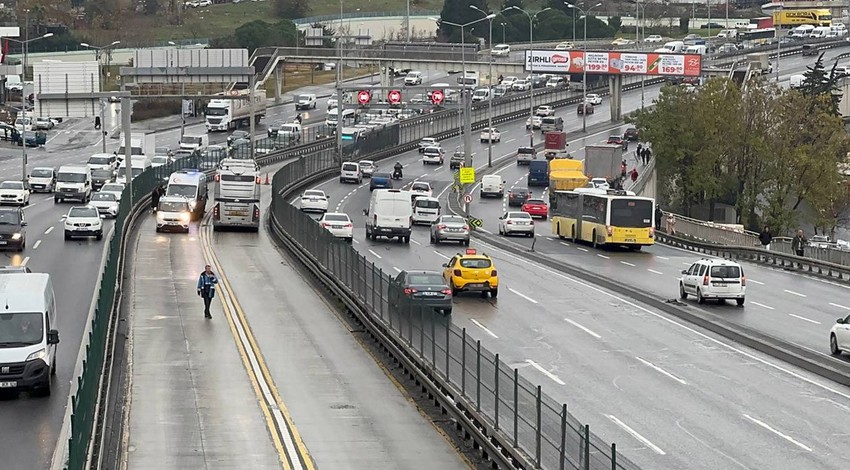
(366, 165)
(535, 201)
(336, 218)
(420, 187)
(8, 217)
(519, 191)
(104, 197)
(82, 212)
(116, 188)
(426, 279)
(725, 271)
(71, 177)
(11, 185)
(239, 135)
(378, 176)
(432, 150)
(184, 190)
(475, 263)
(168, 206)
(350, 167)
(159, 160)
(99, 160)
(190, 140)
(452, 220)
(20, 329)
(101, 174)
(304, 98)
(528, 150)
(42, 173)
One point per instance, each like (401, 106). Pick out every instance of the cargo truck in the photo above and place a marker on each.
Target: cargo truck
(566, 175)
(603, 161)
(227, 114)
(140, 144)
(555, 145)
(237, 195)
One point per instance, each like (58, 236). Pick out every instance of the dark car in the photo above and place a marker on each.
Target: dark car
(632, 134)
(236, 135)
(584, 108)
(457, 160)
(380, 181)
(413, 292)
(711, 25)
(101, 177)
(12, 231)
(33, 138)
(619, 140)
(809, 49)
(518, 195)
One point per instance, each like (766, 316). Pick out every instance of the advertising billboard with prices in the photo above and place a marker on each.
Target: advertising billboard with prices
(615, 63)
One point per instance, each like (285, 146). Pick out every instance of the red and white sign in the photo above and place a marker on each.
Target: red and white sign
(437, 96)
(394, 97)
(363, 97)
(614, 63)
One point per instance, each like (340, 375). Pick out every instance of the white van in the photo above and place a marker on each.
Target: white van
(192, 185)
(449, 93)
(675, 46)
(194, 142)
(802, 31)
(28, 326)
(390, 215)
(696, 50)
(492, 185)
(481, 94)
(819, 32)
(838, 29)
(72, 182)
(796, 81)
(350, 171)
(138, 164)
(103, 161)
(333, 117)
(468, 81)
(426, 210)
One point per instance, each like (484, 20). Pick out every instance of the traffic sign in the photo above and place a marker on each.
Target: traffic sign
(437, 96)
(467, 175)
(363, 97)
(467, 198)
(394, 97)
(475, 222)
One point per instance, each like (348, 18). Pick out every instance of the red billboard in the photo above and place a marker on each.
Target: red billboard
(614, 63)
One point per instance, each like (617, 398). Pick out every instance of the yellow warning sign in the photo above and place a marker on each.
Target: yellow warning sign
(467, 175)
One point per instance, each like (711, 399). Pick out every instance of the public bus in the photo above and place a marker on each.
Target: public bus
(603, 217)
(757, 36)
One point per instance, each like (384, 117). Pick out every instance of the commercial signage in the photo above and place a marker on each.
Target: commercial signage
(614, 63)
(467, 175)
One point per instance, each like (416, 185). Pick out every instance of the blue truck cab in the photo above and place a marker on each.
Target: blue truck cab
(538, 173)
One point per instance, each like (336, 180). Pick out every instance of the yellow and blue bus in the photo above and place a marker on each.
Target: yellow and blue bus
(603, 217)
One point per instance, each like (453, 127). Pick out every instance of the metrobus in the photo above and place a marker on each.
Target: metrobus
(603, 217)
(757, 36)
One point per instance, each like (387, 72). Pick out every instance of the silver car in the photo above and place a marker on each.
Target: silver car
(450, 228)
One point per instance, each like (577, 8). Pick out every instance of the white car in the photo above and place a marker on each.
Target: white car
(106, 203)
(115, 188)
(368, 167)
(593, 98)
(654, 38)
(413, 78)
(565, 46)
(420, 189)
(44, 124)
(432, 155)
(599, 183)
(500, 50)
(314, 200)
(427, 142)
(333, 101)
(339, 224)
(491, 135)
(509, 81)
(521, 85)
(83, 221)
(544, 111)
(14, 192)
(714, 279)
(555, 82)
(204, 3)
(160, 160)
(533, 122)
(23, 124)
(839, 336)
(516, 222)
(173, 213)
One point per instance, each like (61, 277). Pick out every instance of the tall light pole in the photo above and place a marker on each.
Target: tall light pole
(23, 114)
(490, 97)
(98, 53)
(531, 19)
(778, 41)
(503, 32)
(640, 13)
(584, 67)
(407, 23)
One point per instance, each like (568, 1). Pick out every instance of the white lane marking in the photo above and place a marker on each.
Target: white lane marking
(660, 370)
(441, 255)
(486, 330)
(509, 141)
(757, 282)
(522, 295)
(550, 238)
(582, 249)
(25, 261)
(46, 232)
(654, 271)
(762, 305)
(663, 257)
(686, 264)
(396, 269)
(565, 244)
(635, 434)
(627, 263)
(794, 293)
(415, 242)
(37, 242)
(484, 230)
(545, 372)
(839, 306)
(376, 255)
(783, 436)
(603, 256)
(355, 241)
(805, 319)
(583, 328)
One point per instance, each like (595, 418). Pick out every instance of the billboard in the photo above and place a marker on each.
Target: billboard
(615, 63)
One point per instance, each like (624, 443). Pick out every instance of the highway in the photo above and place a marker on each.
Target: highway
(670, 395)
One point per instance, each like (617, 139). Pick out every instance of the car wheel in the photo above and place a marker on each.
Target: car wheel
(740, 302)
(833, 345)
(56, 200)
(530, 235)
(67, 236)
(682, 294)
(494, 292)
(406, 239)
(466, 242)
(433, 240)
(215, 229)
(447, 311)
(700, 298)
(349, 239)
(99, 237)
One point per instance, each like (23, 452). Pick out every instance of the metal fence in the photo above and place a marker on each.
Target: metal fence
(535, 423)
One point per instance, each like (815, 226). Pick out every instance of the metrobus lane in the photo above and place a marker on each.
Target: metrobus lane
(670, 396)
(348, 410)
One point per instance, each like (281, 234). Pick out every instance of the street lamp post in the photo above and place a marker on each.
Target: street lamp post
(640, 28)
(490, 98)
(531, 19)
(584, 67)
(778, 42)
(98, 53)
(503, 32)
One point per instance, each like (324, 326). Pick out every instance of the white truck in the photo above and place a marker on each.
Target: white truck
(194, 142)
(237, 195)
(224, 115)
(140, 144)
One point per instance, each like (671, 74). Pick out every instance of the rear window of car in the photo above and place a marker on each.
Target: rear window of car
(525, 150)
(426, 279)
(535, 201)
(336, 218)
(475, 263)
(378, 176)
(725, 271)
(350, 167)
(427, 204)
(550, 120)
(420, 187)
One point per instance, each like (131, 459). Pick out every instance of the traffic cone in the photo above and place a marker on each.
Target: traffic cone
(267, 179)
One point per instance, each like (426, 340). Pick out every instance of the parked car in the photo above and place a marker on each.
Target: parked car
(44, 124)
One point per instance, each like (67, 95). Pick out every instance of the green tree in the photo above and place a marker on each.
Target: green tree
(459, 12)
(260, 34)
(820, 82)
(615, 22)
(684, 24)
(152, 7)
(292, 9)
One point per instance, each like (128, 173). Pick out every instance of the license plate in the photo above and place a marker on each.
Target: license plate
(336, 226)
(431, 293)
(3, 242)
(475, 284)
(8, 384)
(81, 229)
(236, 213)
(630, 240)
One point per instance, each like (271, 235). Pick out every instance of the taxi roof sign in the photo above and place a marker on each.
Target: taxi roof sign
(471, 251)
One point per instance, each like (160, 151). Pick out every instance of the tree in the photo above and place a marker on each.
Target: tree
(819, 82)
(459, 12)
(152, 7)
(260, 34)
(684, 24)
(292, 9)
(615, 22)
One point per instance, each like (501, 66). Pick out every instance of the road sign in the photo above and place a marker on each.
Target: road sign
(475, 222)
(467, 198)
(437, 96)
(467, 175)
(363, 97)
(394, 97)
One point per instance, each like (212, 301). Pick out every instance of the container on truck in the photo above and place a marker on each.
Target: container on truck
(555, 145)
(227, 114)
(566, 175)
(140, 144)
(237, 195)
(814, 16)
(603, 161)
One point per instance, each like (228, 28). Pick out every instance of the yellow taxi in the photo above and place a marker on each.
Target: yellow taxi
(471, 272)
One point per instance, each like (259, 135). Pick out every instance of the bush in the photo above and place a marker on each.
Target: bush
(155, 108)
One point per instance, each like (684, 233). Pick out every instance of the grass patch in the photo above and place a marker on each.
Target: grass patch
(296, 77)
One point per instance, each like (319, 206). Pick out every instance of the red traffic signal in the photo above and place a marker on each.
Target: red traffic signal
(363, 97)
(437, 96)
(394, 97)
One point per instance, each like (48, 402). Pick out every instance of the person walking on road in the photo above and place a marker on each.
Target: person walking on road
(765, 237)
(671, 224)
(798, 244)
(155, 195)
(206, 288)
(658, 216)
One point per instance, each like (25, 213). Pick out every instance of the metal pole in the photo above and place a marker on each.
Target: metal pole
(642, 78)
(448, 338)
(574, 25)
(128, 143)
(407, 23)
(563, 436)
(586, 447)
(490, 103)
(252, 116)
(613, 456)
(516, 405)
(98, 54)
(778, 43)
(584, 80)
(478, 376)
(24, 100)
(463, 364)
(539, 420)
(531, 70)
(339, 98)
(496, 386)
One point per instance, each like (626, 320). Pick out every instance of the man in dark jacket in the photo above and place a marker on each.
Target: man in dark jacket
(765, 237)
(799, 243)
(659, 215)
(155, 195)
(206, 288)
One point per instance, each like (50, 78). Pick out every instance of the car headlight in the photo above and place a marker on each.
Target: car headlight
(192, 205)
(40, 354)
(16, 236)
(184, 216)
(160, 216)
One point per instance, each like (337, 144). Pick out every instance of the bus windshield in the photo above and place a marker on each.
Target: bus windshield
(631, 213)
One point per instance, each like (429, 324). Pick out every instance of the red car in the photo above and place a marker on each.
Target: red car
(584, 108)
(536, 208)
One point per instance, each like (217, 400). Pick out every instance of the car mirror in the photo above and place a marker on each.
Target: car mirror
(52, 337)
(365, 211)
(23, 223)
(840, 321)
(501, 218)
(445, 265)
(684, 271)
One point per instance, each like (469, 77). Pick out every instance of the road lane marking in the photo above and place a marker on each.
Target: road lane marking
(783, 436)
(663, 257)
(355, 241)
(660, 370)
(582, 249)
(627, 263)
(37, 242)
(25, 261)
(511, 140)
(757, 282)
(762, 305)
(583, 328)
(522, 295)
(686, 264)
(415, 242)
(603, 256)
(545, 372)
(839, 306)
(376, 255)
(441, 255)
(805, 319)
(396, 269)
(636, 435)
(565, 244)
(795, 293)
(654, 271)
(486, 330)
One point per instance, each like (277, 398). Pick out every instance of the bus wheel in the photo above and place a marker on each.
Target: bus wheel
(558, 228)
(573, 234)
(595, 245)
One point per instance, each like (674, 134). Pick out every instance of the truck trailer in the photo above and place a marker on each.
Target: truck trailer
(566, 175)
(603, 161)
(237, 195)
(224, 115)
